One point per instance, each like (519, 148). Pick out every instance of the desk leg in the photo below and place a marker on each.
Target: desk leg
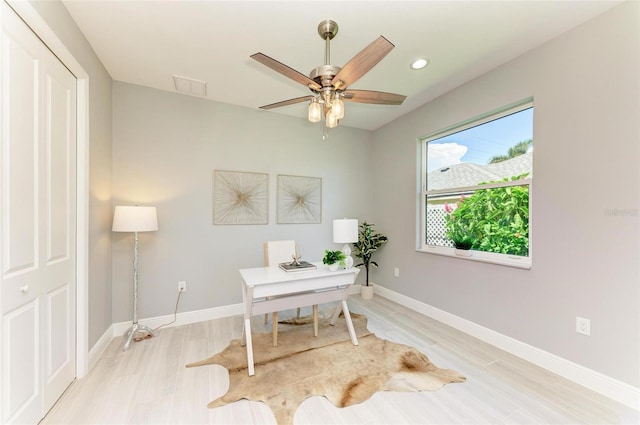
(274, 331)
(247, 298)
(315, 320)
(247, 331)
(334, 319)
(347, 316)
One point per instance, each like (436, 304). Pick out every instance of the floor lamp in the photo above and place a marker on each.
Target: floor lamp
(346, 231)
(135, 219)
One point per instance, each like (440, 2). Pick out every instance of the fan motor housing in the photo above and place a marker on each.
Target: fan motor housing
(324, 74)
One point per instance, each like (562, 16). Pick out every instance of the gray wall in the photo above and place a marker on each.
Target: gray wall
(59, 20)
(585, 262)
(165, 149)
(586, 93)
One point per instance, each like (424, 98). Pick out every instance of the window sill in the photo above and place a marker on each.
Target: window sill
(484, 257)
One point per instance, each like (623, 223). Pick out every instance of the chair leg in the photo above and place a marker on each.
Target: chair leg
(315, 320)
(275, 328)
(266, 318)
(298, 313)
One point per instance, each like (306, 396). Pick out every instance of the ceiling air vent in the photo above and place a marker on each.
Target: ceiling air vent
(190, 86)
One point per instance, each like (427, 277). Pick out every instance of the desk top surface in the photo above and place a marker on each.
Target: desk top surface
(268, 275)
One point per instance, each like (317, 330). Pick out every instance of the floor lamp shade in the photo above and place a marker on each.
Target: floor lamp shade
(345, 231)
(135, 219)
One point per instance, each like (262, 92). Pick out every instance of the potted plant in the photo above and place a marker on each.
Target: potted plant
(334, 259)
(458, 231)
(368, 242)
(463, 244)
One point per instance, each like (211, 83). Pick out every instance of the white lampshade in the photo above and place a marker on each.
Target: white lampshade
(135, 219)
(345, 230)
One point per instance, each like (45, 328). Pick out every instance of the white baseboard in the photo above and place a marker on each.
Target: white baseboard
(99, 347)
(182, 318)
(596, 381)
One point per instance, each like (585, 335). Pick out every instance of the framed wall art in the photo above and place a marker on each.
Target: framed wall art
(240, 197)
(299, 200)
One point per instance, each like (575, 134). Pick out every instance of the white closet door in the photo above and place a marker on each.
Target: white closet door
(37, 215)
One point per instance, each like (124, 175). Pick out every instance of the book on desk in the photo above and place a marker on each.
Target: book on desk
(297, 267)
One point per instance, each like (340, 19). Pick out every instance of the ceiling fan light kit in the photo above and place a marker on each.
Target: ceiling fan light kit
(329, 84)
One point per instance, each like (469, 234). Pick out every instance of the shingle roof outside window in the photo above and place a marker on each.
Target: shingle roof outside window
(468, 174)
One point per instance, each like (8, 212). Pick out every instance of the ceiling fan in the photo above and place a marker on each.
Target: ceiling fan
(329, 84)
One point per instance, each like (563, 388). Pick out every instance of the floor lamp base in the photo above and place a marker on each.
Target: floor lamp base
(133, 330)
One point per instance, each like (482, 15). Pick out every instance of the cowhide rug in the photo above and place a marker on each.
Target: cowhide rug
(328, 365)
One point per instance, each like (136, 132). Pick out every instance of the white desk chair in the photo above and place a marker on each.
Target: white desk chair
(276, 252)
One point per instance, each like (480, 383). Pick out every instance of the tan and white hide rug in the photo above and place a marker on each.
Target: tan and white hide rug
(328, 365)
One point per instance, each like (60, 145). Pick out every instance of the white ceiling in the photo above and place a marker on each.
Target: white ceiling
(146, 42)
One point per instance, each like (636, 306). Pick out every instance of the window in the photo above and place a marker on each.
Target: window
(476, 180)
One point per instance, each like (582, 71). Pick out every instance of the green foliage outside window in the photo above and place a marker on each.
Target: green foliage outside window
(495, 220)
(518, 149)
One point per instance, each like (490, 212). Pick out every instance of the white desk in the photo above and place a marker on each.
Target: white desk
(268, 289)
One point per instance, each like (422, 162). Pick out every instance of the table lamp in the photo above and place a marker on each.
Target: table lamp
(345, 231)
(135, 219)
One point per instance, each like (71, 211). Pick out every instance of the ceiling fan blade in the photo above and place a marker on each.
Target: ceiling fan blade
(286, 71)
(376, 97)
(287, 102)
(361, 63)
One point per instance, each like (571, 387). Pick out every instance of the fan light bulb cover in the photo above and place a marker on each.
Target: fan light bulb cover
(315, 112)
(331, 120)
(337, 108)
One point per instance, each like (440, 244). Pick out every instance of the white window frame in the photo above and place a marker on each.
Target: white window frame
(487, 257)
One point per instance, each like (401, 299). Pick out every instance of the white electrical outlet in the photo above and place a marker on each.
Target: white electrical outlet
(182, 286)
(583, 326)
(396, 272)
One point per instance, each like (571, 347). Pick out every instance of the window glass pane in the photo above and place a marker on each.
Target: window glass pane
(493, 220)
(492, 151)
(437, 223)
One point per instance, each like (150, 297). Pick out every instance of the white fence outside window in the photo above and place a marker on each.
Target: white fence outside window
(437, 226)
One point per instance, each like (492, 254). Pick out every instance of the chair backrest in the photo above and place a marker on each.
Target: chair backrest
(276, 252)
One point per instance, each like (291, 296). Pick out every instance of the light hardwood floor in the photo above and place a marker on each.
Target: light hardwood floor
(150, 385)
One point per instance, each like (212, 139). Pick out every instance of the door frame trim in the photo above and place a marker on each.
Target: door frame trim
(26, 11)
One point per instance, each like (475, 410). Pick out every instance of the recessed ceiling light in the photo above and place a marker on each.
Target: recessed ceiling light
(419, 63)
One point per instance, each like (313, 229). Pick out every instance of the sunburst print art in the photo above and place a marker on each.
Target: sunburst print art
(299, 200)
(240, 197)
